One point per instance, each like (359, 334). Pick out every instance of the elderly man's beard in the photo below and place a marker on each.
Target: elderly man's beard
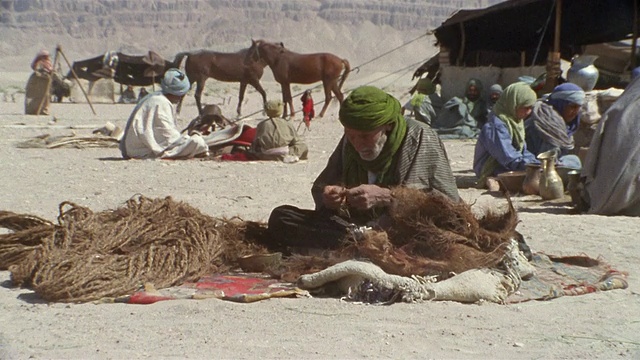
(372, 153)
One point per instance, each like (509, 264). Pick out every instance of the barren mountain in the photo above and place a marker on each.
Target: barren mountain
(359, 30)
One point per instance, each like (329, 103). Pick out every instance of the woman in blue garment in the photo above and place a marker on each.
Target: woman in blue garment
(554, 121)
(501, 145)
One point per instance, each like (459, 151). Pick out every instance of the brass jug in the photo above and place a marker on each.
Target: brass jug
(551, 186)
(531, 183)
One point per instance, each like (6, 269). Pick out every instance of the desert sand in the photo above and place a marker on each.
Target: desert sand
(35, 181)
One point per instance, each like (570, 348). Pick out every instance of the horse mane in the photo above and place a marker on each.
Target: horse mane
(177, 60)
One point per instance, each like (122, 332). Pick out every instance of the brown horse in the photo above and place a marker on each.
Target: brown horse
(290, 67)
(228, 67)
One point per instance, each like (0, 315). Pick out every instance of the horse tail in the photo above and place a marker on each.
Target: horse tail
(347, 70)
(177, 61)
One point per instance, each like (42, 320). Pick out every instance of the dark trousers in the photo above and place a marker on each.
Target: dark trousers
(291, 226)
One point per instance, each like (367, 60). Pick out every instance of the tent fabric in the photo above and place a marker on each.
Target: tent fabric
(517, 25)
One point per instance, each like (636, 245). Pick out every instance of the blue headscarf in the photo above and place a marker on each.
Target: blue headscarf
(635, 73)
(175, 82)
(563, 95)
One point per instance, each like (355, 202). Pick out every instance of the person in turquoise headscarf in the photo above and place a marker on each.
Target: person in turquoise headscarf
(380, 149)
(151, 131)
(501, 145)
(553, 122)
(425, 104)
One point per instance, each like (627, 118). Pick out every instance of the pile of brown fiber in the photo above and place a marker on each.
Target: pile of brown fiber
(88, 256)
(429, 235)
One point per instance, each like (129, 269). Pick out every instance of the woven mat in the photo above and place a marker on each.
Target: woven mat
(555, 277)
(558, 276)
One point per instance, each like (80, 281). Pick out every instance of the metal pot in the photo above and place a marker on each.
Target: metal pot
(583, 73)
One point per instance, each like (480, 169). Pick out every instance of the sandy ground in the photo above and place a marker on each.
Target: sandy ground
(35, 181)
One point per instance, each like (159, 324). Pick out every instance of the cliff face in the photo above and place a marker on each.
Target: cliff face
(353, 28)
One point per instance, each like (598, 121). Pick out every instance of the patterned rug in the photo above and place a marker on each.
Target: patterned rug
(558, 276)
(555, 277)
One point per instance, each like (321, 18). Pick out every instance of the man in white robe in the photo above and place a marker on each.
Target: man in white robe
(151, 131)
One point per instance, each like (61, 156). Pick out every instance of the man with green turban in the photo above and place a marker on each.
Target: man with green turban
(379, 150)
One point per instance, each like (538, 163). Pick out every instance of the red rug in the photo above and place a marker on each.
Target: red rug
(241, 287)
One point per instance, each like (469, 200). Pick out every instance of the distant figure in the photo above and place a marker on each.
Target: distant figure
(463, 117)
(276, 138)
(128, 96)
(142, 93)
(494, 94)
(425, 104)
(307, 108)
(151, 130)
(37, 90)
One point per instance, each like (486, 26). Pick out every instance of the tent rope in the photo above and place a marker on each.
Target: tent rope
(544, 31)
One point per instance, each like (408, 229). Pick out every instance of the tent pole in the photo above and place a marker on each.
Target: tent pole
(462, 41)
(634, 43)
(553, 60)
(75, 76)
(556, 35)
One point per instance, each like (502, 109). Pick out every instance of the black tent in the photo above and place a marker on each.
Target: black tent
(525, 29)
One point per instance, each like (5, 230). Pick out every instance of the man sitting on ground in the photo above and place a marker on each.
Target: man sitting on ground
(151, 131)
(128, 96)
(276, 138)
(379, 150)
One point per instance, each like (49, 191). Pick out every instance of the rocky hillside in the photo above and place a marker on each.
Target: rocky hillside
(359, 30)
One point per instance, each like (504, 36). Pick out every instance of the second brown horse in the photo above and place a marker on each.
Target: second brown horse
(289, 67)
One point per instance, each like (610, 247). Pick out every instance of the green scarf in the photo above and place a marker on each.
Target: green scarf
(366, 109)
(417, 100)
(425, 86)
(514, 96)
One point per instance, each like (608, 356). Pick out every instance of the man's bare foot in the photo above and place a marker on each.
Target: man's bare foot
(492, 184)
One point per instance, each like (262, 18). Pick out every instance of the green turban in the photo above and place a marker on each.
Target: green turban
(425, 86)
(366, 109)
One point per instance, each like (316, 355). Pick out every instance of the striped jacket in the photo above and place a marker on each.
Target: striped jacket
(422, 164)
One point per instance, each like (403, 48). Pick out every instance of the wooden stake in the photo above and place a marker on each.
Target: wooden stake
(75, 76)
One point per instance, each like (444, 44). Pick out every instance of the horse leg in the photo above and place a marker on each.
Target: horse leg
(287, 99)
(256, 85)
(327, 98)
(198, 95)
(243, 87)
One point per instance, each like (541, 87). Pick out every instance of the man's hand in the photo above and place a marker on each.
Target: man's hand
(333, 196)
(367, 196)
